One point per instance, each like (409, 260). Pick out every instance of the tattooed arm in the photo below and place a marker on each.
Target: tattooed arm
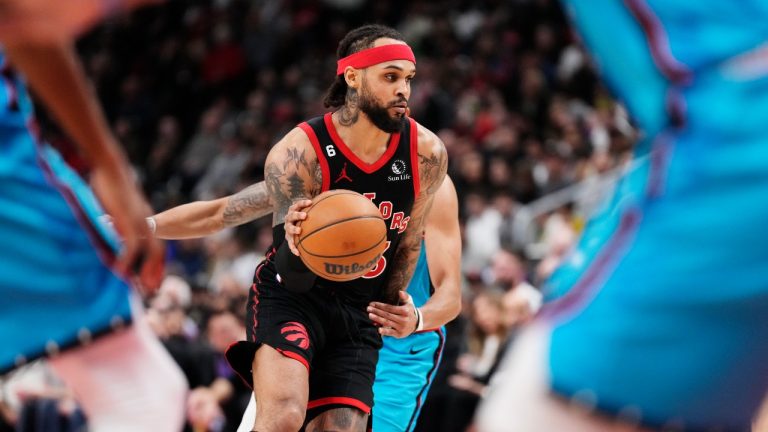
(291, 173)
(443, 242)
(433, 164)
(202, 218)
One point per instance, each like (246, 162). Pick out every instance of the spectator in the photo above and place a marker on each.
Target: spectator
(486, 344)
(221, 403)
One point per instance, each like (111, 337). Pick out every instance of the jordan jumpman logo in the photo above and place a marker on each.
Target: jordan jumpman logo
(343, 174)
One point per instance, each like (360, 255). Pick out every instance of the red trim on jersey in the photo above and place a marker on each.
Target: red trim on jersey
(415, 157)
(293, 355)
(319, 153)
(340, 401)
(255, 307)
(394, 139)
(255, 289)
(257, 273)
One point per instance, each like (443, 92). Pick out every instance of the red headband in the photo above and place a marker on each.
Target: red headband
(371, 56)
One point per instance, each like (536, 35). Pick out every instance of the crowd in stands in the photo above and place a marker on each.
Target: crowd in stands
(197, 91)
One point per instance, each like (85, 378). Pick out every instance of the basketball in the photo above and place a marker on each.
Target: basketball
(343, 236)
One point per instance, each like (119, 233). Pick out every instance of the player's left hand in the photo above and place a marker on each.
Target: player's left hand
(397, 321)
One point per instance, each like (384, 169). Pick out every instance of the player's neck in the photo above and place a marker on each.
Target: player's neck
(365, 139)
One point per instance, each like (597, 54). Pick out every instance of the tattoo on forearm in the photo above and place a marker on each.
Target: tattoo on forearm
(407, 253)
(350, 112)
(249, 204)
(403, 263)
(432, 169)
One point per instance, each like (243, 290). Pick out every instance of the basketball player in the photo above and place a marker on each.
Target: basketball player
(312, 349)
(659, 317)
(64, 278)
(406, 366)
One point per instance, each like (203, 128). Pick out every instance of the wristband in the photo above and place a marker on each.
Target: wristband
(419, 321)
(152, 224)
(419, 318)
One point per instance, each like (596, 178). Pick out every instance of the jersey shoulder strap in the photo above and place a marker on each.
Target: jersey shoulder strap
(321, 142)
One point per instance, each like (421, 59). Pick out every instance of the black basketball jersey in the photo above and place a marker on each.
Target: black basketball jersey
(392, 183)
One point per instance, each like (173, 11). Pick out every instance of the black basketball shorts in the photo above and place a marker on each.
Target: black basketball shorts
(336, 341)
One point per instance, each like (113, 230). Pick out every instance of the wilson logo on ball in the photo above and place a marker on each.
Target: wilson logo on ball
(343, 236)
(339, 269)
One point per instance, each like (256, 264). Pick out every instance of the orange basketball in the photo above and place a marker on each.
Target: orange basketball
(343, 236)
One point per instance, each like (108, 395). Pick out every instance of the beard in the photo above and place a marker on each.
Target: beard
(379, 115)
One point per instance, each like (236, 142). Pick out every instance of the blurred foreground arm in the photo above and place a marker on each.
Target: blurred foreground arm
(42, 21)
(55, 75)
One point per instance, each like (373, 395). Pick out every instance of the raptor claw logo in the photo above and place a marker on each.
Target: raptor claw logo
(296, 334)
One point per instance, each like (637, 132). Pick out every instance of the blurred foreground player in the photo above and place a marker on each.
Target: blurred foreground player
(659, 317)
(64, 275)
(312, 349)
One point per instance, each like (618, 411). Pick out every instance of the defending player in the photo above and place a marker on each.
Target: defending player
(408, 360)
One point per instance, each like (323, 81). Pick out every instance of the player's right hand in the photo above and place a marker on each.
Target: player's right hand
(293, 222)
(142, 253)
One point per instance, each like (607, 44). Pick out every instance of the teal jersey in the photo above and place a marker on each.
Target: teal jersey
(56, 282)
(661, 309)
